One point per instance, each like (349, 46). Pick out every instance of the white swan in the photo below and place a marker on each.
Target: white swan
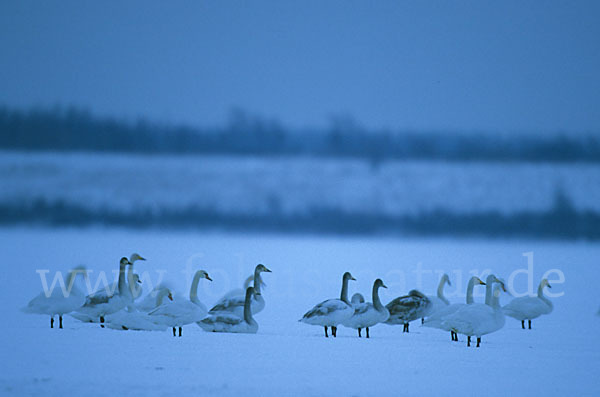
(439, 301)
(332, 312)
(479, 319)
(235, 304)
(405, 309)
(367, 314)
(101, 303)
(137, 320)
(530, 307)
(57, 301)
(178, 313)
(435, 319)
(228, 322)
(149, 302)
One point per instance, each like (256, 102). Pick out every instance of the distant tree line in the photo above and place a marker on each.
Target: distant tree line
(70, 129)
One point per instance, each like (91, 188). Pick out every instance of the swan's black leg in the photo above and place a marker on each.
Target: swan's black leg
(51, 322)
(529, 323)
(59, 321)
(334, 331)
(359, 335)
(179, 331)
(478, 341)
(468, 341)
(367, 332)
(101, 321)
(452, 335)
(422, 320)
(407, 324)
(523, 324)
(174, 331)
(327, 336)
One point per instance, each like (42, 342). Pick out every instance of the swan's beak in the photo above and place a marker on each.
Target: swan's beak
(170, 296)
(352, 278)
(268, 270)
(141, 259)
(139, 281)
(449, 283)
(256, 293)
(548, 284)
(208, 278)
(383, 285)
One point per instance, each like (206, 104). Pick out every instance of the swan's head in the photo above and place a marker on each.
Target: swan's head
(446, 279)
(262, 268)
(379, 283)
(203, 274)
(502, 283)
(348, 276)
(491, 279)
(545, 283)
(124, 262)
(136, 257)
(357, 298)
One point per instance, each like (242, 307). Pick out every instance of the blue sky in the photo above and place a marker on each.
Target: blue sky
(480, 65)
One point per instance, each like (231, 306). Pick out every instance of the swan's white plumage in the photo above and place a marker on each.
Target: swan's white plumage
(332, 312)
(367, 314)
(227, 322)
(529, 307)
(234, 304)
(59, 302)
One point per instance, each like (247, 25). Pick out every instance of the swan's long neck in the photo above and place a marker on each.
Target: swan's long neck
(344, 294)
(130, 280)
(248, 307)
(440, 290)
(257, 280)
(161, 295)
(495, 300)
(376, 301)
(488, 290)
(122, 284)
(470, 287)
(194, 288)
(540, 294)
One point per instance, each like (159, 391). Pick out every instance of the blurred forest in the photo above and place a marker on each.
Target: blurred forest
(76, 129)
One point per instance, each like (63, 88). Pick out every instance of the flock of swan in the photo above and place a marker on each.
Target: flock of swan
(470, 319)
(117, 308)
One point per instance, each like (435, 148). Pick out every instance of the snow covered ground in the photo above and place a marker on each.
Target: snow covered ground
(291, 185)
(560, 356)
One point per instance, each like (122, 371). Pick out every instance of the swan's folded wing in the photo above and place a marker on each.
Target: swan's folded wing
(222, 319)
(360, 308)
(325, 308)
(228, 304)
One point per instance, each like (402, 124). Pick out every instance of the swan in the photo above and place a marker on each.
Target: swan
(137, 320)
(405, 309)
(331, 312)
(367, 314)
(235, 304)
(439, 301)
(435, 320)
(228, 322)
(149, 302)
(479, 319)
(101, 303)
(57, 301)
(529, 307)
(178, 313)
